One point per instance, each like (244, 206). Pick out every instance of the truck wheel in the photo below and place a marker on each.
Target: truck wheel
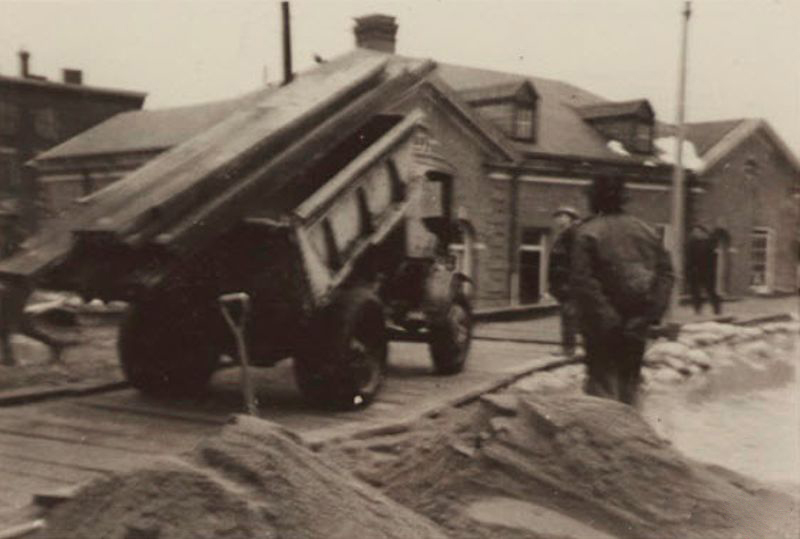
(166, 354)
(345, 365)
(450, 337)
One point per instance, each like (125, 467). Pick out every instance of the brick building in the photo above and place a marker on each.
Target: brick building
(37, 114)
(517, 146)
(752, 196)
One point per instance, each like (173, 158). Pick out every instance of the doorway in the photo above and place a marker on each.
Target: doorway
(532, 264)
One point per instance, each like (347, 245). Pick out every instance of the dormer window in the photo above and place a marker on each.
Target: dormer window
(642, 137)
(629, 122)
(523, 128)
(512, 107)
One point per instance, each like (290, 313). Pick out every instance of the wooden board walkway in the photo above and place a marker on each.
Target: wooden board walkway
(63, 442)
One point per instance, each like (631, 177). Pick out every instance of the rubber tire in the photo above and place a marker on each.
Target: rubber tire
(163, 353)
(449, 357)
(324, 369)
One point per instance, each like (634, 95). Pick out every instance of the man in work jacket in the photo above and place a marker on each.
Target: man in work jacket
(621, 281)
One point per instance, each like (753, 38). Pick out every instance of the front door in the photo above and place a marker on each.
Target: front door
(532, 265)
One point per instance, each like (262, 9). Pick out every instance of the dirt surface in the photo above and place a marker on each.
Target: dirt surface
(253, 480)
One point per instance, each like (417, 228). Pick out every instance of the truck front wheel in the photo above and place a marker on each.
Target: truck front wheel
(451, 336)
(165, 353)
(343, 364)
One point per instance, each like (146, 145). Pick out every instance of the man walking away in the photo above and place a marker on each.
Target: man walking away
(620, 281)
(565, 219)
(700, 268)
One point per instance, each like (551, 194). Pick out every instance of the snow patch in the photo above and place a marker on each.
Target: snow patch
(666, 149)
(617, 147)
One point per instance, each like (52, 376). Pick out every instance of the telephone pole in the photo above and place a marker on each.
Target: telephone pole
(678, 216)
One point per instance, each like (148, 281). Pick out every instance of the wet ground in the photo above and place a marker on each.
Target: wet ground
(745, 420)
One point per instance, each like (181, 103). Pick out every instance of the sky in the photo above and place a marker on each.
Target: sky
(744, 55)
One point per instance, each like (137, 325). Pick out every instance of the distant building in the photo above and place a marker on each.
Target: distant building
(752, 199)
(37, 114)
(517, 147)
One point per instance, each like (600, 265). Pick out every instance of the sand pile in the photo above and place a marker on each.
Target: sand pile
(254, 480)
(592, 459)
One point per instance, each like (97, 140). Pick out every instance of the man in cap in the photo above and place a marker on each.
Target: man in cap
(621, 282)
(565, 218)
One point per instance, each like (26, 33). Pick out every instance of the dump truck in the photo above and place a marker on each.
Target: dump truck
(316, 204)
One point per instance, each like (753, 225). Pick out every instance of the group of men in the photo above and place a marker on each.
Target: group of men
(613, 280)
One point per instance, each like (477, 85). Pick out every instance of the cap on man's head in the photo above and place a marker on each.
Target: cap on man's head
(607, 194)
(567, 210)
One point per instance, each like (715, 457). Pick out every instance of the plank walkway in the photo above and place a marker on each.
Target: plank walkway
(65, 442)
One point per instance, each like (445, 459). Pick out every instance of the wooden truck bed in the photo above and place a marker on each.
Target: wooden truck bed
(130, 234)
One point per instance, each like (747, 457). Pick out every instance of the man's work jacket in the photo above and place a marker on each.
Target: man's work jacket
(621, 273)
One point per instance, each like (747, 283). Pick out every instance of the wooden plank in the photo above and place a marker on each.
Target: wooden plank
(91, 458)
(134, 445)
(333, 188)
(58, 473)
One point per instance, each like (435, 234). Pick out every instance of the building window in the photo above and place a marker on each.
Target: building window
(45, 123)
(501, 114)
(9, 169)
(9, 118)
(524, 123)
(642, 138)
(761, 242)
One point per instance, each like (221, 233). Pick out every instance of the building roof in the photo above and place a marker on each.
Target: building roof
(715, 140)
(150, 130)
(70, 88)
(561, 130)
(518, 90)
(704, 135)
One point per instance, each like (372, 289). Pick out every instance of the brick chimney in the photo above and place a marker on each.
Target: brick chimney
(24, 63)
(376, 32)
(72, 76)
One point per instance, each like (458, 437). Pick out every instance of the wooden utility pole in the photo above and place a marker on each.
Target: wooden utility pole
(286, 26)
(678, 217)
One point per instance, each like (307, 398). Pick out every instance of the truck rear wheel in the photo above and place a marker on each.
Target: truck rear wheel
(163, 352)
(344, 364)
(451, 337)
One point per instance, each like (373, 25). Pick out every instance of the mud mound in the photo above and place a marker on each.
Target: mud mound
(594, 459)
(254, 480)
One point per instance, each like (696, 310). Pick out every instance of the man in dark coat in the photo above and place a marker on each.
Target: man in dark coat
(558, 273)
(701, 261)
(621, 282)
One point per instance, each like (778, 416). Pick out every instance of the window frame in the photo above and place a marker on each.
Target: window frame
(768, 234)
(11, 156)
(516, 124)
